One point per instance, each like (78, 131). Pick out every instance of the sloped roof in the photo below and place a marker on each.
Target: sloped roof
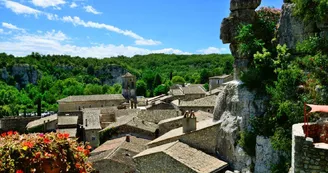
(188, 156)
(208, 101)
(40, 121)
(91, 119)
(215, 91)
(67, 120)
(112, 149)
(193, 89)
(178, 132)
(83, 98)
(176, 92)
(128, 75)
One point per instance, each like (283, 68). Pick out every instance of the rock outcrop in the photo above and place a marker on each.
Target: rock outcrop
(242, 12)
(234, 107)
(292, 29)
(110, 74)
(22, 74)
(265, 155)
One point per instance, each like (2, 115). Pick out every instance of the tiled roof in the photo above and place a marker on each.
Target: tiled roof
(178, 132)
(215, 91)
(200, 115)
(70, 131)
(193, 89)
(176, 92)
(128, 75)
(91, 119)
(188, 156)
(67, 120)
(40, 121)
(83, 98)
(220, 77)
(208, 101)
(112, 149)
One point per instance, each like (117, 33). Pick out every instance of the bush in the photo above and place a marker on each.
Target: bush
(248, 142)
(34, 152)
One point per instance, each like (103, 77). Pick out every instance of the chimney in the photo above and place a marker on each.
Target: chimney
(127, 138)
(189, 122)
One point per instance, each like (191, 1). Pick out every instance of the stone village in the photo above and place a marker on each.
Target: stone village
(188, 129)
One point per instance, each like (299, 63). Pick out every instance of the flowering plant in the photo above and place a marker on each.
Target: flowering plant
(37, 152)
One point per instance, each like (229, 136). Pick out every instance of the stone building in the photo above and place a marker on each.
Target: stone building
(68, 124)
(176, 122)
(129, 89)
(177, 157)
(116, 155)
(309, 154)
(91, 126)
(15, 123)
(216, 81)
(44, 124)
(188, 92)
(205, 104)
(73, 105)
(199, 138)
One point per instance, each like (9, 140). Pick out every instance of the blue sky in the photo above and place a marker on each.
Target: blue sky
(104, 28)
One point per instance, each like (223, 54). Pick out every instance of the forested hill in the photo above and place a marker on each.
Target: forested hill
(25, 81)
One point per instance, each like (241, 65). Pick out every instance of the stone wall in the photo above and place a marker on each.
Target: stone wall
(200, 139)
(306, 155)
(170, 124)
(76, 106)
(160, 162)
(15, 123)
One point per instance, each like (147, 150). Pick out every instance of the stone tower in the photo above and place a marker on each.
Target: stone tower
(129, 89)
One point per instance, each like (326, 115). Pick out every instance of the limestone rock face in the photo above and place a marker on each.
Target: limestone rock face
(234, 106)
(292, 29)
(110, 74)
(23, 74)
(244, 4)
(265, 155)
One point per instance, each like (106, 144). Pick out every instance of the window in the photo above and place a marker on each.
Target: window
(79, 107)
(89, 106)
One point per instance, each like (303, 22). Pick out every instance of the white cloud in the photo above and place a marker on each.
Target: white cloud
(90, 9)
(55, 42)
(11, 26)
(73, 5)
(139, 40)
(211, 50)
(19, 8)
(48, 3)
(147, 42)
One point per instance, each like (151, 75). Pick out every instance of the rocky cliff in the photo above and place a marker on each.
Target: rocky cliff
(234, 106)
(110, 74)
(21, 74)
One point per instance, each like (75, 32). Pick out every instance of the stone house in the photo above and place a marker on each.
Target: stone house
(198, 138)
(205, 104)
(177, 157)
(176, 122)
(216, 81)
(74, 104)
(116, 155)
(188, 92)
(91, 126)
(68, 124)
(44, 124)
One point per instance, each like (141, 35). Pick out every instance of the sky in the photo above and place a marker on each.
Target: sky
(106, 28)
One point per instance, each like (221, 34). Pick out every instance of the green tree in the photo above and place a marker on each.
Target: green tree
(178, 80)
(141, 88)
(161, 89)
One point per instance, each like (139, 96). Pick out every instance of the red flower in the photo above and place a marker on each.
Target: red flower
(80, 149)
(86, 152)
(88, 147)
(28, 144)
(19, 171)
(66, 135)
(60, 136)
(77, 165)
(37, 154)
(3, 134)
(46, 140)
(10, 133)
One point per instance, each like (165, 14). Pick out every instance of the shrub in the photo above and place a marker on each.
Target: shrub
(34, 152)
(248, 142)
